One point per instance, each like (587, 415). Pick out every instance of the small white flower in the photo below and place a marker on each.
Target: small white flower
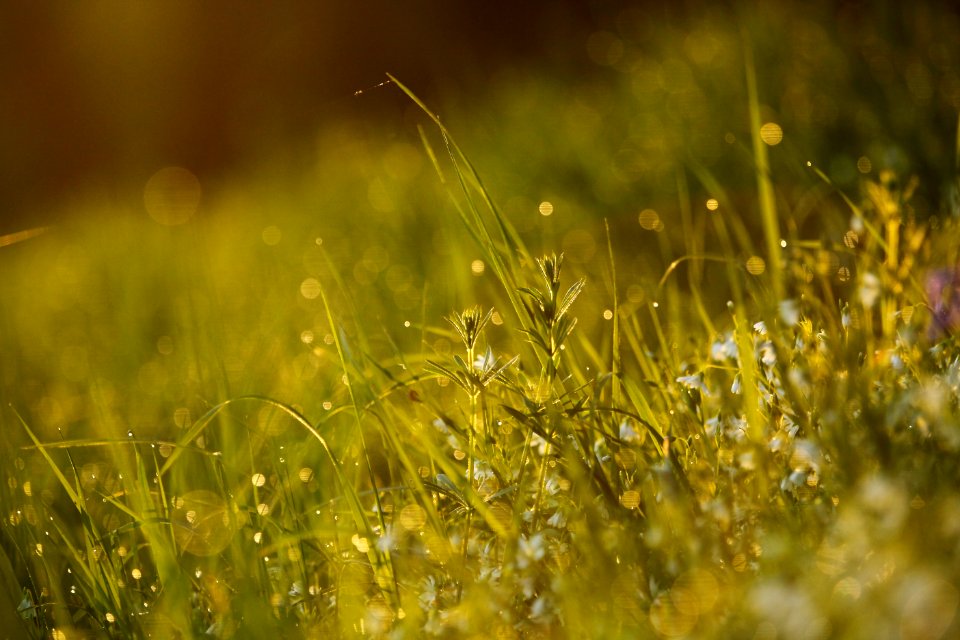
(693, 382)
(737, 387)
(484, 360)
(537, 442)
(725, 349)
(428, 596)
(482, 471)
(387, 541)
(760, 327)
(531, 550)
(790, 426)
(789, 311)
(528, 586)
(541, 610)
(553, 485)
(869, 290)
(768, 354)
(794, 481)
(558, 520)
(627, 434)
(711, 426)
(489, 574)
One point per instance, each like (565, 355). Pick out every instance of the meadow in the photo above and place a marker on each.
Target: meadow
(663, 351)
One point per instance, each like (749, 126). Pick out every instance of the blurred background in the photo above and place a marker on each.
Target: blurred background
(98, 96)
(204, 168)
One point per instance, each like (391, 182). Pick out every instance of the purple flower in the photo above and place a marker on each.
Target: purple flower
(943, 291)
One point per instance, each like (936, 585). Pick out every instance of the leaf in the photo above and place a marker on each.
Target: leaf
(570, 296)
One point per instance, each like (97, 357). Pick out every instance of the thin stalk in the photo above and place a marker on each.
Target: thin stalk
(471, 445)
(615, 364)
(768, 205)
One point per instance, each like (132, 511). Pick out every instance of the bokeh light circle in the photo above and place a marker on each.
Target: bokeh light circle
(172, 195)
(202, 524)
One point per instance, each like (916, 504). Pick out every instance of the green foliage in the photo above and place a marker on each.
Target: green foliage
(256, 447)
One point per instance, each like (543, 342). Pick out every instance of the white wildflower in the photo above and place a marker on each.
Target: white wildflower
(725, 349)
(542, 609)
(558, 520)
(712, 425)
(387, 541)
(869, 290)
(530, 550)
(693, 382)
(428, 595)
(627, 433)
(539, 443)
(768, 355)
(789, 311)
(737, 387)
(482, 471)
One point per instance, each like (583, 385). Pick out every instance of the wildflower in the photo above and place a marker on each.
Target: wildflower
(539, 443)
(805, 457)
(558, 520)
(942, 287)
(482, 471)
(528, 586)
(737, 387)
(789, 312)
(712, 424)
(483, 360)
(790, 426)
(794, 481)
(760, 327)
(896, 362)
(387, 541)
(490, 574)
(627, 433)
(554, 485)
(428, 595)
(531, 550)
(693, 382)
(725, 349)
(799, 380)
(869, 289)
(541, 611)
(740, 424)
(768, 354)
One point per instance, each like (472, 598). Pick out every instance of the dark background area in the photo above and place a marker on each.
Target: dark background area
(98, 95)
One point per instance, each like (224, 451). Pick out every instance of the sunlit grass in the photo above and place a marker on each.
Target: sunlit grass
(395, 402)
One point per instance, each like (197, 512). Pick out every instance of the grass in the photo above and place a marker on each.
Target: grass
(439, 431)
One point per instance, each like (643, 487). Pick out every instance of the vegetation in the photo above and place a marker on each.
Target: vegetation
(696, 420)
